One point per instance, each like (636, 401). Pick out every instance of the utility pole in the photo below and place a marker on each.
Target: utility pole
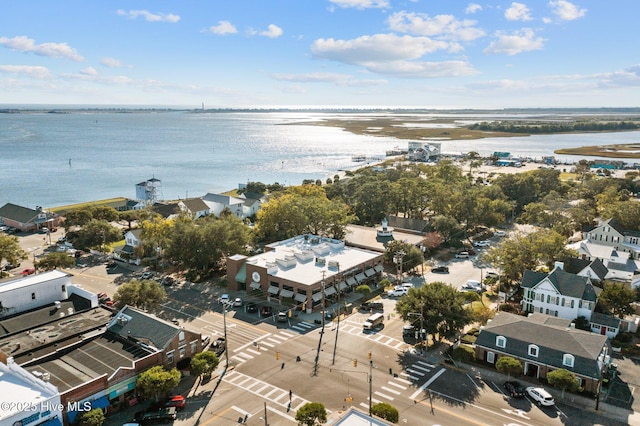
(315, 367)
(370, 385)
(265, 415)
(397, 258)
(224, 324)
(335, 343)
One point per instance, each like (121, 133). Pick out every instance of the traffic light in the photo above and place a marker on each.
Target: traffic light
(277, 355)
(369, 355)
(355, 362)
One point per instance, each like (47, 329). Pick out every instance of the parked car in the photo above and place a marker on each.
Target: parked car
(266, 311)
(177, 401)
(373, 306)
(28, 271)
(514, 389)
(237, 302)
(282, 316)
(482, 244)
(224, 299)
(540, 396)
(164, 415)
(499, 233)
(462, 255)
(398, 291)
(252, 307)
(168, 281)
(408, 330)
(218, 346)
(146, 275)
(206, 339)
(440, 270)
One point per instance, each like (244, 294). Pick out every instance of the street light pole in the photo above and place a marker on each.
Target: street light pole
(397, 258)
(370, 385)
(224, 324)
(315, 367)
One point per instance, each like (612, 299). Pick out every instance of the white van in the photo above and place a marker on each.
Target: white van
(374, 321)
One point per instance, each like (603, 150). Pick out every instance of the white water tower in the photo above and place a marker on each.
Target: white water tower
(149, 191)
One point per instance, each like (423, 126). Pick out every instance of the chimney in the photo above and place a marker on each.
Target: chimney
(559, 265)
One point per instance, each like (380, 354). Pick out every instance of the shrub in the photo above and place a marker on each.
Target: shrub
(463, 353)
(505, 307)
(386, 411)
(468, 339)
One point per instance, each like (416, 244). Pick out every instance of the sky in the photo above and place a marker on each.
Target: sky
(321, 53)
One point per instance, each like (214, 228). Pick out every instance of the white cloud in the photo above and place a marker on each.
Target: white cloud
(273, 31)
(472, 8)
(50, 50)
(111, 63)
(517, 42)
(223, 28)
(361, 4)
(27, 70)
(392, 55)
(518, 12)
(89, 71)
(441, 26)
(565, 10)
(333, 78)
(148, 16)
(375, 48)
(547, 20)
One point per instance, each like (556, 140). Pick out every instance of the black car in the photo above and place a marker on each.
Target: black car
(440, 270)
(218, 346)
(373, 306)
(514, 389)
(252, 307)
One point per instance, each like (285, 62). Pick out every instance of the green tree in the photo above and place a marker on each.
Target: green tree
(386, 411)
(204, 364)
(94, 417)
(10, 249)
(311, 414)
(563, 379)
(94, 235)
(412, 255)
(441, 307)
(145, 294)
(363, 289)
(509, 366)
(55, 260)
(156, 381)
(617, 298)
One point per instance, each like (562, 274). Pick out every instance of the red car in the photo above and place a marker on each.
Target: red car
(28, 271)
(177, 401)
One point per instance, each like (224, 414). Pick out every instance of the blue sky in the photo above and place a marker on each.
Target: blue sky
(318, 53)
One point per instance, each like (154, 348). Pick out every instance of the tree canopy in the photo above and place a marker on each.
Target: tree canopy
(509, 365)
(204, 363)
(157, 381)
(617, 298)
(311, 414)
(145, 294)
(10, 249)
(563, 379)
(440, 307)
(55, 260)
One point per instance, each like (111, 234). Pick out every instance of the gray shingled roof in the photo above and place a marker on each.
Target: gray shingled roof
(604, 319)
(567, 284)
(143, 327)
(18, 213)
(553, 340)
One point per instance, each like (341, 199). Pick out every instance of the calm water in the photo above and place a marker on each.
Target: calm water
(58, 159)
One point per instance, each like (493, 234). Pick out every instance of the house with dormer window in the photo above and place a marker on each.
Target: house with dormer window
(611, 233)
(559, 293)
(543, 344)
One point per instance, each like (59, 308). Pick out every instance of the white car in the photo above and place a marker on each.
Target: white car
(481, 244)
(237, 302)
(499, 233)
(540, 396)
(399, 291)
(462, 255)
(224, 299)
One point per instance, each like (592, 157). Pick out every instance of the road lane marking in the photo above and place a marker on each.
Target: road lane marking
(427, 383)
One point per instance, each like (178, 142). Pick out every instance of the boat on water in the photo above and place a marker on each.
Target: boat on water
(358, 158)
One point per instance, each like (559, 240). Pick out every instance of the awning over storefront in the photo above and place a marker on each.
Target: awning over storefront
(317, 296)
(329, 291)
(55, 421)
(101, 402)
(378, 268)
(286, 293)
(343, 285)
(360, 277)
(299, 297)
(274, 290)
(254, 285)
(351, 281)
(241, 276)
(369, 272)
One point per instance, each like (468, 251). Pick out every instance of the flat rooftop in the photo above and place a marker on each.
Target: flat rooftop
(14, 283)
(42, 331)
(367, 237)
(295, 259)
(101, 356)
(17, 389)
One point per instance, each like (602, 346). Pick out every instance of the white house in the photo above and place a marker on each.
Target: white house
(252, 203)
(22, 294)
(559, 293)
(611, 233)
(27, 399)
(218, 202)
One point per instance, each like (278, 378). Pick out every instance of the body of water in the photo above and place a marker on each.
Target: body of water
(57, 159)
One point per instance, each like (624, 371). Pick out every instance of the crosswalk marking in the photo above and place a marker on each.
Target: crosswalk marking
(398, 385)
(419, 373)
(390, 398)
(420, 368)
(393, 391)
(424, 363)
